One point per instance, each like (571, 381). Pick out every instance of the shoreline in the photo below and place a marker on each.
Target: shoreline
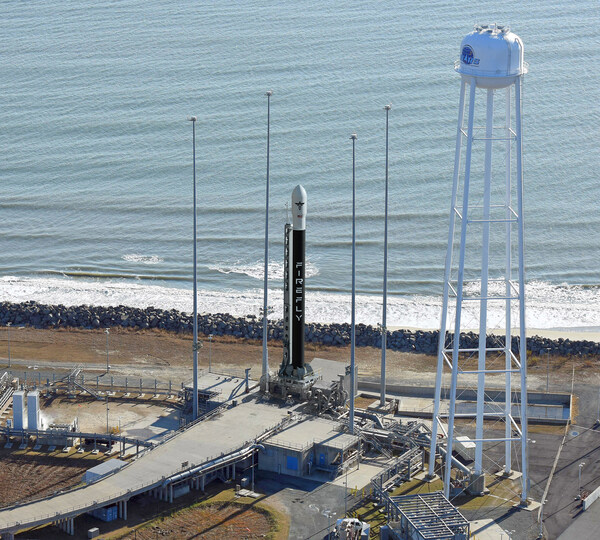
(35, 315)
(549, 306)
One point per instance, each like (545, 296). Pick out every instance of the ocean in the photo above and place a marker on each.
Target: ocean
(96, 167)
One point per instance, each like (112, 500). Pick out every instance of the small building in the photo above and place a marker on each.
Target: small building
(426, 516)
(104, 469)
(312, 445)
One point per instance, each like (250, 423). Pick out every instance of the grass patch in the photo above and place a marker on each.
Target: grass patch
(224, 507)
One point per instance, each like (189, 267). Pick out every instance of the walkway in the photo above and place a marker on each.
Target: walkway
(225, 433)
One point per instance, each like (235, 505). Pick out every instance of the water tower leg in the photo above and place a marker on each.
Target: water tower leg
(448, 268)
(523, 337)
(459, 291)
(483, 303)
(508, 292)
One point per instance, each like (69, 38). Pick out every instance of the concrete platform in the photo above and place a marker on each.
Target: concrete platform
(234, 428)
(488, 529)
(514, 475)
(313, 431)
(220, 388)
(417, 401)
(358, 478)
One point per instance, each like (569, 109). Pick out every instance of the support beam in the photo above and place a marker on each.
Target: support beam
(447, 274)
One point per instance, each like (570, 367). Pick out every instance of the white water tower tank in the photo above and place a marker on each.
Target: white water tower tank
(493, 55)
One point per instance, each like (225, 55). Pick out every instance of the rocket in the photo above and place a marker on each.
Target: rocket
(298, 274)
(294, 289)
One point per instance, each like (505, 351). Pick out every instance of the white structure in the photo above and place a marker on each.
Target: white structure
(491, 65)
(19, 410)
(104, 469)
(33, 410)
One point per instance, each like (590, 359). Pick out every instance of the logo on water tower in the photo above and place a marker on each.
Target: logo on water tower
(468, 57)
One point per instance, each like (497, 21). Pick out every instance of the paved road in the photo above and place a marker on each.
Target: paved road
(234, 429)
(582, 446)
(307, 502)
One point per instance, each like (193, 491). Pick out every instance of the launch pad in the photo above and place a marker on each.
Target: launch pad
(322, 383)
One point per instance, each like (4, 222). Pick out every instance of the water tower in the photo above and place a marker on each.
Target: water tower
(484, 271)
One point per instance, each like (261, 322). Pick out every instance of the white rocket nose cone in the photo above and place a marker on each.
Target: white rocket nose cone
(299, 208)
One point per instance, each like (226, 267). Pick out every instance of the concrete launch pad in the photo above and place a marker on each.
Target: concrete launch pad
(202, 443)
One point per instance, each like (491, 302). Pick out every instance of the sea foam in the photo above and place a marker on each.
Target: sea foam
(548, 306)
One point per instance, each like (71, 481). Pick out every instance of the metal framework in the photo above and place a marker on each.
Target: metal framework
(431, 516)
(496, 223)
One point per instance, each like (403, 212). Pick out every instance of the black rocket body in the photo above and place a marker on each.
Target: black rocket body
(294, 290)
(298, 289)
(297, 275)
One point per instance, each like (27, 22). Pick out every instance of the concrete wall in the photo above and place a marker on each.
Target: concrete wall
(591, 498)
(324, 455)
(293, 462)
(465, 393)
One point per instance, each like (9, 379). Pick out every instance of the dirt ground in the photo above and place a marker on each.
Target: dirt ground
(27, 474)
(164, 355)
(214, 515)
(211, 522)
(124, 416)
(156, 353)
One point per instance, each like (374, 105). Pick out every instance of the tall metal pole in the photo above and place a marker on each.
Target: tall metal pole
(210, 336)
(353, 137)
(547, 370)
(385, 261)
(106, 331)
(483, 303)
(265, 358)
(8, 339)
(195, 343)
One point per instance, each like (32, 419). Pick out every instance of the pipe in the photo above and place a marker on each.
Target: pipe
(221, 461)
(370, 416)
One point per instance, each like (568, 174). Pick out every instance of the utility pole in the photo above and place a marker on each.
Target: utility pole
(107, 364)
(353, 137)
(8, 339)
(195, 320)
(385, 261)
(265, 313)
